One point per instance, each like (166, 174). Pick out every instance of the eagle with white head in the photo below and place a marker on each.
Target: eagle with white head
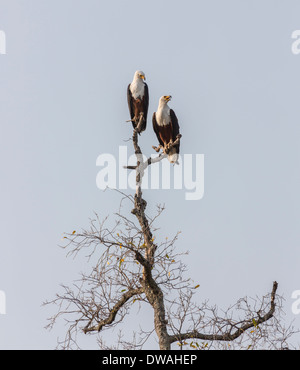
(166, 128)
(138, 100)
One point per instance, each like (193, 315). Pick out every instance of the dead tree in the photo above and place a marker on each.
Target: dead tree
(130, 265)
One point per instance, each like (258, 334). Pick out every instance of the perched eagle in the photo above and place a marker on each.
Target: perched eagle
(138, 99)
(166, 127)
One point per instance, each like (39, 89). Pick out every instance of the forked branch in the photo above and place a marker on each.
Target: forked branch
(113, 313)
(234, 331)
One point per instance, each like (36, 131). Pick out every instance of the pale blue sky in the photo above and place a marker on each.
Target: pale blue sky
(235, 87)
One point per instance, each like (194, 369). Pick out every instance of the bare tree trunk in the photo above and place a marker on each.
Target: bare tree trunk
(152, 291)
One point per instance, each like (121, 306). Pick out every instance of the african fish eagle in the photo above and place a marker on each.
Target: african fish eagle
(138, 99)
(166, 128)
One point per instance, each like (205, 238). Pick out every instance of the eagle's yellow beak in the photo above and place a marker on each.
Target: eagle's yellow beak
(143, 77)
(168, 97)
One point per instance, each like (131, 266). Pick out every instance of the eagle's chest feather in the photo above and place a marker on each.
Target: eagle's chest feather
(163, 117)
(137, 89)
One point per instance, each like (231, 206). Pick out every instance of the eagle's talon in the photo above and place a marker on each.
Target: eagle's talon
(157, 149)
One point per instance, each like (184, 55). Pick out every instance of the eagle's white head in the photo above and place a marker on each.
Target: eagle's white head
(164, 100)
(139, 75)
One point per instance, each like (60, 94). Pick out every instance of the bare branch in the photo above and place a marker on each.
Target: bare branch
(239, 329)
(110, 319)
